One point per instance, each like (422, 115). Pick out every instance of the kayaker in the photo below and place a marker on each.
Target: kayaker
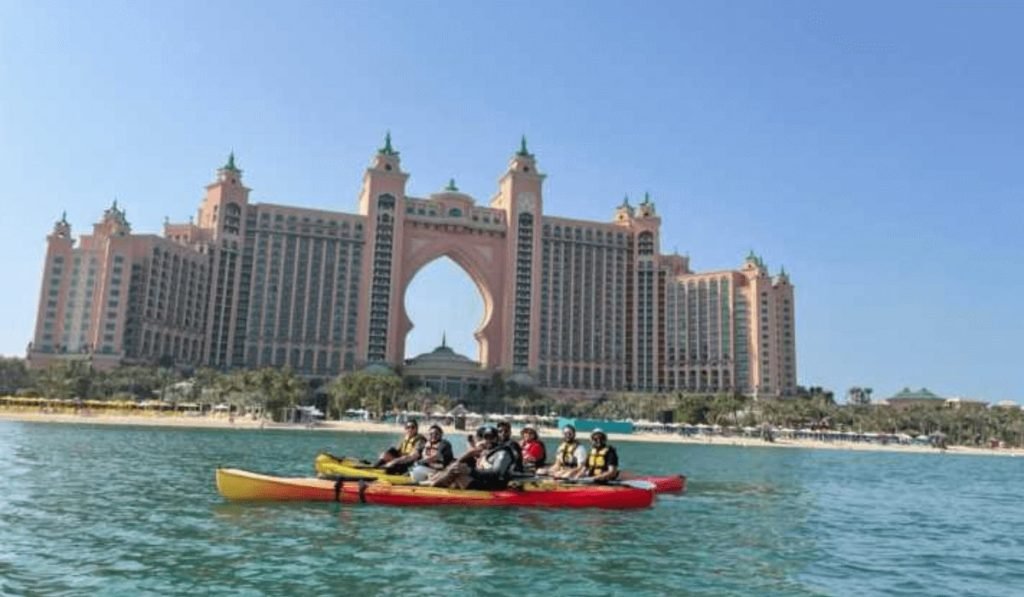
(505, 437)
(398, 459)
(602, 461)
(535, 455)
(486, 465)
(437, 455)
(571, 457)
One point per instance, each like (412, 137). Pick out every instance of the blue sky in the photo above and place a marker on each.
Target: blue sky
(873, 149)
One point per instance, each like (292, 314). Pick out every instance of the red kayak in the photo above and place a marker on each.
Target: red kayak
(236, 484)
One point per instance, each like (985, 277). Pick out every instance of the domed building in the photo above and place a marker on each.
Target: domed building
(447, 372)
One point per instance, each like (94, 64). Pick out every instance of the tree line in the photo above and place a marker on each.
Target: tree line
(272, 391)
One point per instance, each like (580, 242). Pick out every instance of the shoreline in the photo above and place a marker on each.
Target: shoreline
(222, 422)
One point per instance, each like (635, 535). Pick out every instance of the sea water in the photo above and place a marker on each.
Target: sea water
(92, 509)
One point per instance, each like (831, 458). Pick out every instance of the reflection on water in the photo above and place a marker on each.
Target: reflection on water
(91, 509)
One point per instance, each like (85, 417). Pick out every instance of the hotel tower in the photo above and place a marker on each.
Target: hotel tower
(579, 306)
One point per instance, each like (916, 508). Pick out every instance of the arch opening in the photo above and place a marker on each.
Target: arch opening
(443, 300)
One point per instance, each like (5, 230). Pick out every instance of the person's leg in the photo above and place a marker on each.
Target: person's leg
(455, 475)
(387, 456)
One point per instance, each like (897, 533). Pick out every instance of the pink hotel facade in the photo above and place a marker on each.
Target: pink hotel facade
(579, 306)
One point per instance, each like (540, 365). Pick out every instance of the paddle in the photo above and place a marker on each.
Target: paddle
(349, 461)
(351, 479)
(635, 483)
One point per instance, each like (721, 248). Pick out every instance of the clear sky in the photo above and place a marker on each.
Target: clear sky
(874, 149)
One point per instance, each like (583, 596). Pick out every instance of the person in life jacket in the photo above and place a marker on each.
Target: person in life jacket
(570, 458)
(436, 456)
(486, 465)
(505, 437)
(398, 459)
(534, 452)
(602, 461)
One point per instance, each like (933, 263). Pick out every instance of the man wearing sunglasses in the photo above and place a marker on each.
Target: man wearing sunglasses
(398, 459)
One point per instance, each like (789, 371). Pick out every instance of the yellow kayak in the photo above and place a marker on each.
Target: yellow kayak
(330, 466)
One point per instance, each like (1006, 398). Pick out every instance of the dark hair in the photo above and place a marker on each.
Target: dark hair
(504, 425)
(435, 426)
(568, 426)
(486, 430)
(412, 423)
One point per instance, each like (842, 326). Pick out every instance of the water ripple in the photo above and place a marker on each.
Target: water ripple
(100, 510)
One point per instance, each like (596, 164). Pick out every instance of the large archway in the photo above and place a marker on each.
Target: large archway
(442, 300)
(482, 261)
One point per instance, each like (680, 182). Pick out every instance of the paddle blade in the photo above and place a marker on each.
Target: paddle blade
(636, 483)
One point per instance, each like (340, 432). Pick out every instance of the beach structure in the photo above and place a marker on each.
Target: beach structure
(446, 372)
(907, 398)
(572, 305)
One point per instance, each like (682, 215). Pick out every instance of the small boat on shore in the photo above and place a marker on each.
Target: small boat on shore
(240, 485)
(330, 466)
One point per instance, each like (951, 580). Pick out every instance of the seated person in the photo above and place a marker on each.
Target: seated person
(534, 452)
(505, 437)
(486, 465)
(602, 461)
(570, 459)
(436, 456)
(398, 459)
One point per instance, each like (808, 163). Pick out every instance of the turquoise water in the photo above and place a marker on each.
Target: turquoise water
(121, 510)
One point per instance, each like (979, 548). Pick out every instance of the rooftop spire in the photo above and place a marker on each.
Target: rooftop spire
(522, 148)
(625, 200)
(444, 339)
(231, 163)
(387, 149)
(451, 185)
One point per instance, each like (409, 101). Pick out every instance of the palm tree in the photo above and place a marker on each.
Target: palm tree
(376, 392)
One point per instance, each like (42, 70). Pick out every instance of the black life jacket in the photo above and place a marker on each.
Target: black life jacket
(504, 473)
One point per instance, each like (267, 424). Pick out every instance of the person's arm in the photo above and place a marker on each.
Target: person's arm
(612, 460)
(442, 456)
(416, 454)
(608, 475)
(581, 463)
(411, 457)
(471, 454)
(446, 454)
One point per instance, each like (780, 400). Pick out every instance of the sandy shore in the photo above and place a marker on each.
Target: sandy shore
(222, 422)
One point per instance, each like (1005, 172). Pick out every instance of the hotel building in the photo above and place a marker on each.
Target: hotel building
(578, 306)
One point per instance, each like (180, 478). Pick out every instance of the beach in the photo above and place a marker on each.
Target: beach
(220, 421)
